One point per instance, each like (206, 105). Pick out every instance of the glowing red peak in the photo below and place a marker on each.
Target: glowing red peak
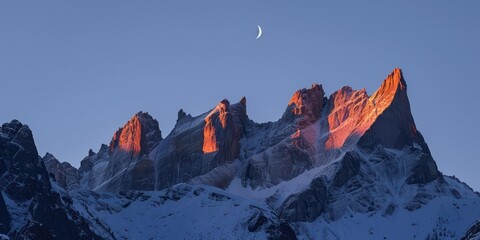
(308, 103)
(137, 136)
(391, 85)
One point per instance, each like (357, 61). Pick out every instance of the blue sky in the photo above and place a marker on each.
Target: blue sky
(75, 71)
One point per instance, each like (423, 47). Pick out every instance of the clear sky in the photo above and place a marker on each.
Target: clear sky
(75, 71)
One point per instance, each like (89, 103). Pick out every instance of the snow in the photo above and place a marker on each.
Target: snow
(188, 211)
(181, 212)
(440, 217)
(281, 190)
(18, 212)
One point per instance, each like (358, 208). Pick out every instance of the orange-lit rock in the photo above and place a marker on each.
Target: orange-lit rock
(128, 138)
(392, 124)
(138, 135)
(223, 129)
(352, 113)
(307, 103)
(218, 115)
(345, 109)
(209, 138)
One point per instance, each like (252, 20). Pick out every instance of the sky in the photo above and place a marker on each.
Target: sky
(76, 71)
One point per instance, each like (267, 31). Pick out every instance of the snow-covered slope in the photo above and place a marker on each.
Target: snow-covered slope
(181, 212)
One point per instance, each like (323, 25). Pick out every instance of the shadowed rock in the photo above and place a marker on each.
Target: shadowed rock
(25, 181)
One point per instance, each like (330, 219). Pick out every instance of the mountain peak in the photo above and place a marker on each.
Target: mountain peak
(307, 103)
(306, 100)
(17, 132)
(224, 128)
(391, 85)
(394, 125)
(48, 156)
(138, 135)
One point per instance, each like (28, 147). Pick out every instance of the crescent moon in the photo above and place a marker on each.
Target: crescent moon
(259, 32)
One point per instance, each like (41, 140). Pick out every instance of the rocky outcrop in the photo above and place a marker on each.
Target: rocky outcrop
(224, 129)
(92, 168)
(65, 174)
(424, 171)
(123, 164)
(199, 148)
(24, 180)
(24, 173)
(131, 141)
(278, 151)
(306, 205)
(306, 104)
(344, 111)
(349, 168)
(137, 137)
(394, 126)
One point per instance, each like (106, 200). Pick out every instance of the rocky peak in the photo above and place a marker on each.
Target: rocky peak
(307, 103)
(19, 158)
(138, 136)
(182, 115)
(383, 118)
(393, 83)
(224, 128)
(241, 108)
(17, 132)
(91, 152)
(10, 129)
(49, 158)
(393, 124)
(24, 180)
(65, 174)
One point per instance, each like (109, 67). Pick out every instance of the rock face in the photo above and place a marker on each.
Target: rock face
(307, 103)
(274, 152)
(137, 137)
(132, 141)
(33, 209)
(65, 174)
(92, 168)
(223, 130)
(394, 127)
(344, 106)
(124, 164)
(313, 131)
(202, 148)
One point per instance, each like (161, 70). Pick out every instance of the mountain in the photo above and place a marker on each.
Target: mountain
(30, 208)
(344, 166)
(123, 164)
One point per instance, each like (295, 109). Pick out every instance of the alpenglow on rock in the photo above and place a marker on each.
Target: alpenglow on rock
(223, 143)
(348, 160)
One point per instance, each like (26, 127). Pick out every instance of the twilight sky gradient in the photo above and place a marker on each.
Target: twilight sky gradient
(75, 71)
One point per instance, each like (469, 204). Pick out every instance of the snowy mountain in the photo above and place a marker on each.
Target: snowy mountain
(347, 166)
